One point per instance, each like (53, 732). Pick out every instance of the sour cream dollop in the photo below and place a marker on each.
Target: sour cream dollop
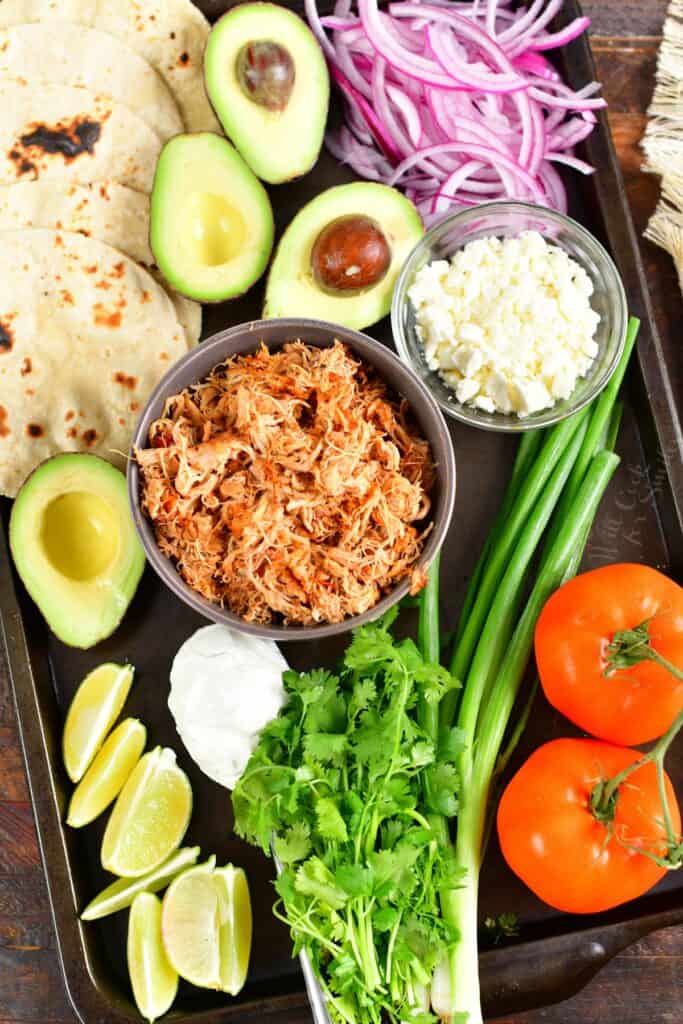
(225, 688)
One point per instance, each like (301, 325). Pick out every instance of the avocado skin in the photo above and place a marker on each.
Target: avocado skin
(79, 613)
(174, 180)
(282, 146)
(292, 288)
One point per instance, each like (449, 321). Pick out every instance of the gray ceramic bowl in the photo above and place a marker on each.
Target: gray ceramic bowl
(245, 338)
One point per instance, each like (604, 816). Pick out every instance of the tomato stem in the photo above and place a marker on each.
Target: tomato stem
(603, 800)
(631, 646)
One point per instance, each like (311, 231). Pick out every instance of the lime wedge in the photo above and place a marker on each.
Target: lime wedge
(108, 773)
(153, 980)
(235, 927)
(150, 816)
(190, 925)
(94, 709)
(206, 926)
(120, 894)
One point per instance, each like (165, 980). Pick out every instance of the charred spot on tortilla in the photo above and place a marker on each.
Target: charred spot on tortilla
(184, 58)
(26, 366)
(72, 432)
(6, 335)
(104, 317)
(69, 415)
(118, 270)
(89, 436)
(68, 139)
(103, 284)
(4, 429)
(34, 430)
(103, 192)
(146, 296)
(134, 406)
(67, 297)
(124, 380)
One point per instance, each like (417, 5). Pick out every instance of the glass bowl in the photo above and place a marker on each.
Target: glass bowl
(505, 219)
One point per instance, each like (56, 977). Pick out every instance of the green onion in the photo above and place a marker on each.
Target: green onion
(555, 489)
(554, 444)
(460, 905)
(526, 453)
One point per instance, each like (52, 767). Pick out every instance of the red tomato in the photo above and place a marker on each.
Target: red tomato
(635, 704)
(552, 841)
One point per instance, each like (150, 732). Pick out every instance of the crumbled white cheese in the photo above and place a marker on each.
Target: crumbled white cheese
(507, 323)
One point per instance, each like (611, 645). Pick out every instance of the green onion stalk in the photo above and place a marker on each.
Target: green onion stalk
(558, 480)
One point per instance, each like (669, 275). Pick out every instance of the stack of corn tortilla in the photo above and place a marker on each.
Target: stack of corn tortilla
(90, 90)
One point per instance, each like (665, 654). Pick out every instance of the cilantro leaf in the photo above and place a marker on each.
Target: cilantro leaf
(451, 743)
(355, 879)
(330, 823)
(294, 844)
(313, 878)
(443, 783)
(325, 746)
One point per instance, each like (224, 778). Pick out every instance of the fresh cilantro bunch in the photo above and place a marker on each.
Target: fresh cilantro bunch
(344, 784)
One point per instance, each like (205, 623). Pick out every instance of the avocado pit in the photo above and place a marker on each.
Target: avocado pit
(265, 72)
(350, 254)
(80, 535)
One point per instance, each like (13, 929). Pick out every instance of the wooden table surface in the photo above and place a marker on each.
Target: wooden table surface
(642, 985)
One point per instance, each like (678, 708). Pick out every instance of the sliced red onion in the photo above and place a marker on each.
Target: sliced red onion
(454, 100)
(537, 65)
(572, 102)
(378, 30)
(567, 35)
(489, 155)
(571, 161)
(440, 40)
(377, 128)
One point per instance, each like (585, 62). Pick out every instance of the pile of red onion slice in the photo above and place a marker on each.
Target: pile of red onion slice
(454, 102)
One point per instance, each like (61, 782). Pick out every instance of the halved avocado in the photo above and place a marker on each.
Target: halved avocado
(339, 258)
(268, 83)
(211, 222)
(75, 547)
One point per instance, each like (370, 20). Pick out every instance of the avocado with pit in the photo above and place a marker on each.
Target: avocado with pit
(211, 222)
(267, 80)
(339, 258)
(75, 547)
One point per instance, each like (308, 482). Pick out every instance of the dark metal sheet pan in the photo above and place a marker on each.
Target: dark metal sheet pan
(641, 519)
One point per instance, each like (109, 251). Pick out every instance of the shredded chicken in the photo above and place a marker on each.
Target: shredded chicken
(289, 486)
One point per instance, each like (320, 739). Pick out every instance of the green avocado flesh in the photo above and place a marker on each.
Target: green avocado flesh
(211, 222)
(75, 547)
(293, 288)
(268, 83)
